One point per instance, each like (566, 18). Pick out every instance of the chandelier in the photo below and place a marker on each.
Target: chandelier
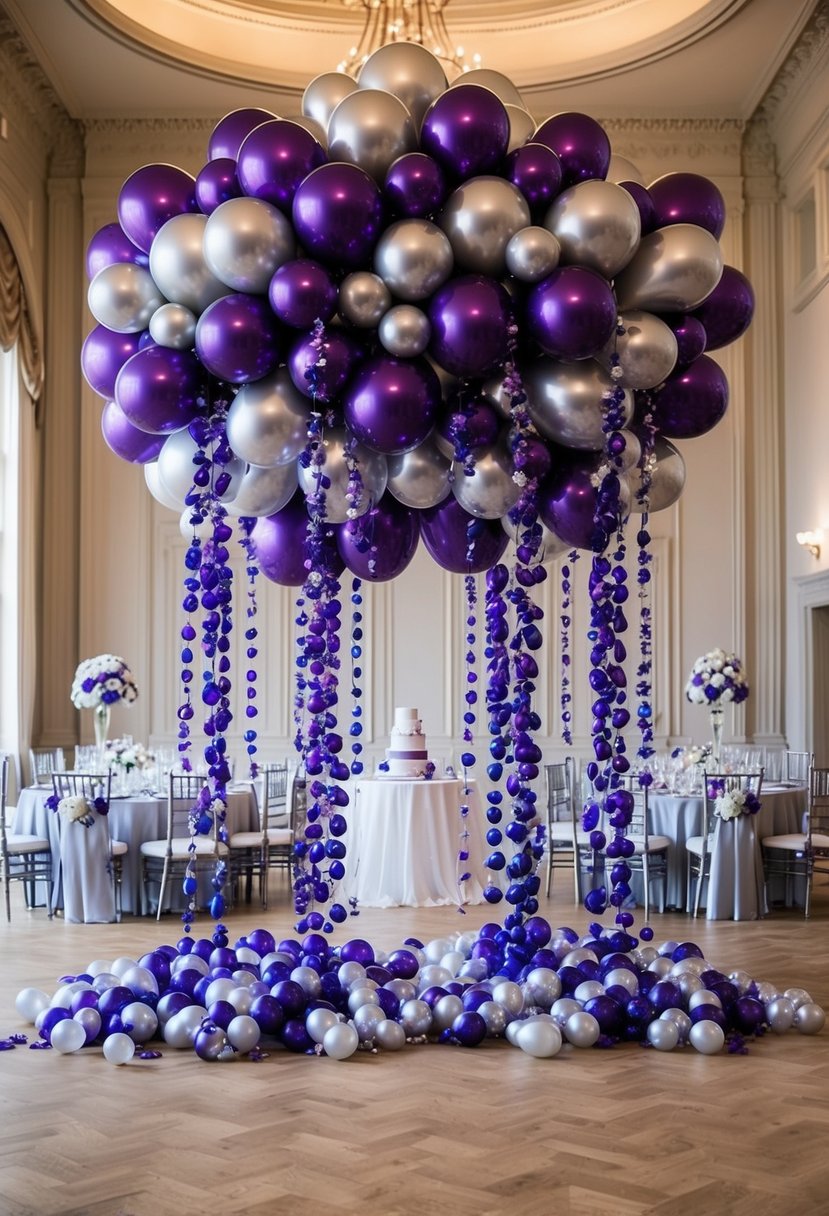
(406, 21)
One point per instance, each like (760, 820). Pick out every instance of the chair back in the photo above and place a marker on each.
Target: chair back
(82, 785)
(715, 784)
(560, 782)
(639, 827)
(818, 802)
(275, 812)
(43, 761)
(796, 766)
(183, 793)
(4, 786)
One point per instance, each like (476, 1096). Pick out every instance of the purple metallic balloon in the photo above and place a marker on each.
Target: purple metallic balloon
(458, 541)
(231, 131)
(644, 202)
(391, 404)
(302, 291)
(217, 183)
(580, 143)
(415, 186)
(688, 198)
(567, 501)
(536, 171)
(338, 214)
(152, 195)
(608, 1013)
(726, 314)
(238, 338)
(295, 1037)
(690, 336)
(469, 318)
(379, 545)
(572, 313)
(691, 401)
(477, 425)
(111, 244)
(342, 353)
(158, 388)
(103, 354)
(275, 158)
(469, 1028)
(466, 130)
(126, 440)
(279, 541)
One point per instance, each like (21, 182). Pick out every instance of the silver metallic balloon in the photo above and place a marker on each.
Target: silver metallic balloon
(766, 991)
(415, 1017)
(565, 401)
(319, 1021)
(433, 976)
(509, 996)
(358, 997)
(373, 473)
(308, 980)
(445, 1011)
(364, 299)
(673, 270)
(741, 979)
(243, 1032)
(647, 350)
(267, 423)
(160, 492)
(405, 331)
(562, 1009)
(496, 82)
(689, 983)
(181, 1029)
(581, 1029)
(245, 241)
(521, 125)
(404, 990)
(622, 977)
(371, 128)
(366, 1021)
(495, 1018)
(798, 996)
(667, 478)
(663, 1035)
(597, 224)
(703, 996)
(178, 265)
(707, 1037)
(623, 170)
(176, 468)
(173, 325)
(390, 1035)
(578, 955)
(587, 989)
(681, 1020)
(124, 297)
(324, 94)
(489, 492)
(407, 70)
(539, 1038)
(480, 218)
(413, 258)
(340, 1041)
(780, 1013)
(241, 999)
(532, 253)
(543, 986)
(264, 491)
(809, 1018)
(139, 1021)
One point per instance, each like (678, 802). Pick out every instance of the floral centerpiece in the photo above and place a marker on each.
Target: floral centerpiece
(716, 678)
(97, 685)
(124, 754)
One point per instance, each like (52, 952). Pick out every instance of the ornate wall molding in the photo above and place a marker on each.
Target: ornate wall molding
(809, 48)
(32, 102)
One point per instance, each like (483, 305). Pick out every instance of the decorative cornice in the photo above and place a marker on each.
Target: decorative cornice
(759, 159)
(148, 126)
(34, 100)
(811, 44)
(677, 140)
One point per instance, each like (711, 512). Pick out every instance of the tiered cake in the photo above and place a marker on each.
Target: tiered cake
(407, 756)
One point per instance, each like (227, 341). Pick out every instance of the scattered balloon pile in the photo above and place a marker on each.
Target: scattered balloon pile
(540, 989)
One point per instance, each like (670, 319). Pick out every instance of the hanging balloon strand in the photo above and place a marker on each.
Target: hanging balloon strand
(644, 578)
(468, 758)
(246, 525)
(566, 619)
(356, 728)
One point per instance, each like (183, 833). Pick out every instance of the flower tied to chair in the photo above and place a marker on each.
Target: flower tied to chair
(731, 804)
(77, 809)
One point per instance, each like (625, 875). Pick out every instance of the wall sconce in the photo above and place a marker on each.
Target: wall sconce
(811, 541)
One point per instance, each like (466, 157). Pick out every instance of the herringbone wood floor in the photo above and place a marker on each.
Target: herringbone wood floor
(436, 1131)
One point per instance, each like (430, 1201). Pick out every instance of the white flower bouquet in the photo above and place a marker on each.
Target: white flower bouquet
(121, 753)
(715, 678)
(75, 810)
(103, 681)
(731, 804)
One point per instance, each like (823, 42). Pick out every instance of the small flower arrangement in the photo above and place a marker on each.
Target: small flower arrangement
(429, 771)
(689, 756)
(103, 681)
(731, 804)
(127, 755)
(76, 809)
(717, 677)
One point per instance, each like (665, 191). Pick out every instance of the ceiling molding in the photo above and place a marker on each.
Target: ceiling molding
(36, 103)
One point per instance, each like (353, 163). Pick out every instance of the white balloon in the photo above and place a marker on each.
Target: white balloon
(159, 492)
(119, 1048)
(340, 1041)
(29, 1002)
(243, 1033)
(67, 1036)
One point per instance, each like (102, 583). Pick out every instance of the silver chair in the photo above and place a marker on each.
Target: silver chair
(650, 856)
(92, 786)
(43, 761)
(563, 830)
(272, 846)
(23, 858)
(180, 850)
(803, 854)
(796, 767)
(699, 849)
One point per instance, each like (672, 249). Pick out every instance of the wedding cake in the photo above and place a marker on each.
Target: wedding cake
(407, 756)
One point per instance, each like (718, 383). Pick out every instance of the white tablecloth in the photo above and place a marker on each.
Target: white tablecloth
(132, 820)
(403, 842)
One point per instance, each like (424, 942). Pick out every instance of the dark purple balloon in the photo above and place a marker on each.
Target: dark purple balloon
(126, 440)
(291, 997)
(665, 995)
(477, 425)
(238, 338)
(748, 1014)
(301, 292)
(342, 353)
(172, 1003)
(608, 1013)
(275, 158)
(468, 1028)
(50, 1020)
(688, 198)
(268, 1014)
(103, 355)
(403, 964)
(691, 401)
(446, 535)
(391, 404)
(113, 1000)
(469, 318)
(296, 1037)
(357, 950)
(379, 545)
(690, 336)
(567, 502)
(415, 186)
(159, 964)
(217, 183)
(572, 313)
(338, 215)
(709, 1013)
(536, 171)
(109, 245)
(279, 542)
(230, 132)
(152, 195)
(726, 314)
(580, 143)
(158, 388)
(644, 202)
(466, 130)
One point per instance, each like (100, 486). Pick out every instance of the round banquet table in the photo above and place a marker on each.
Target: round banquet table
(133, 820)
(403, 841)
(735, 889)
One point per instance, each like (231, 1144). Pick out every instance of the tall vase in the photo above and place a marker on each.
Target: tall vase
(717, 716)
(100, 718)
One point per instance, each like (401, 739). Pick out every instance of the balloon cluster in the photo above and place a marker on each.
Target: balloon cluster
(543, 989)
